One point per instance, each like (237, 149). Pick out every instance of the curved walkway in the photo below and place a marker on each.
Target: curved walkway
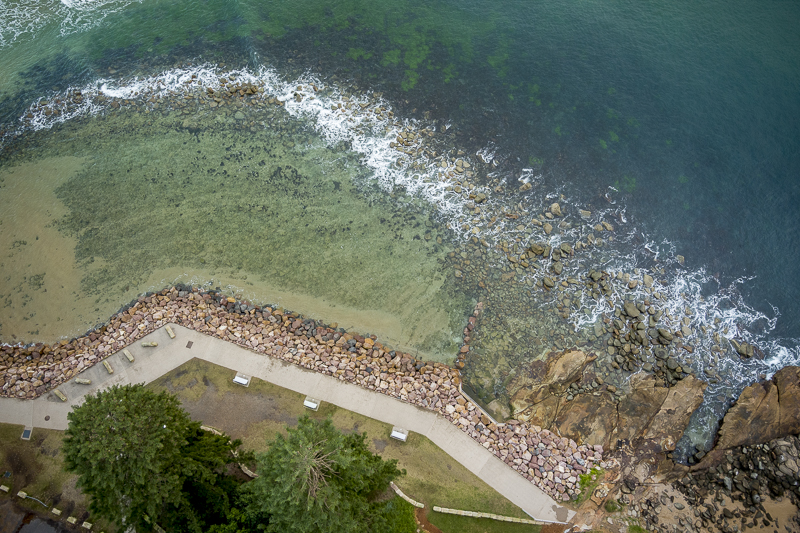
(48, 411)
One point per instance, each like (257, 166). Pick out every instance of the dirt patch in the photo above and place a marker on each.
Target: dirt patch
(236, 413)
(379, 444)
(422, 519)
(70, 492)
(20, 466)
(36, 466)
(252, 414)
(67, 508)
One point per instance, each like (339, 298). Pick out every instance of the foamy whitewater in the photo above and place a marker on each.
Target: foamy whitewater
(425, 169)
(23, 20)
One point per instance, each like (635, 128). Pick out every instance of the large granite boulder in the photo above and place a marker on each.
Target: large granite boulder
(764, 411)
(537, 400)
(587, 419)
(649, 416)
(638, 407)
(669, 423)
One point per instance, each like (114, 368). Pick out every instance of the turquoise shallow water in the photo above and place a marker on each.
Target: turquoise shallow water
(677, 123)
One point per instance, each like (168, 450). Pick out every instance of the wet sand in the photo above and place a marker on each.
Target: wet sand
(40, 291)
(83, 236)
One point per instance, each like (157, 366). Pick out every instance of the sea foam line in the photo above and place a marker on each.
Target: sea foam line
(24, 20)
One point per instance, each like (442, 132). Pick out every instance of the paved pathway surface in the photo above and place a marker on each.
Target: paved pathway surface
(48, 411)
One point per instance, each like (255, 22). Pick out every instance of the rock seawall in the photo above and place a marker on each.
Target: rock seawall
(552, 462)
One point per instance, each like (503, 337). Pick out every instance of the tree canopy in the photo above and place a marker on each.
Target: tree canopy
(319, 480)
(141, 459)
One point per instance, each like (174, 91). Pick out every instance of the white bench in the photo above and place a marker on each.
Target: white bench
(311, 403)
(399, 434)
(242, 379)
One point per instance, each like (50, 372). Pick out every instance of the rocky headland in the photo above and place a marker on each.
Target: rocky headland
(619, 395)
(748, 481)
(568, 424)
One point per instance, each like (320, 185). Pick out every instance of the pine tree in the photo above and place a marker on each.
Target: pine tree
(318, 480)
(141, 459)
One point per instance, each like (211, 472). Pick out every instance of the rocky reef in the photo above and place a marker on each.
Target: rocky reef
(642, 422)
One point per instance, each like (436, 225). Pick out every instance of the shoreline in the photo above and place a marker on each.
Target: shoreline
(540, 247)
(552, 463)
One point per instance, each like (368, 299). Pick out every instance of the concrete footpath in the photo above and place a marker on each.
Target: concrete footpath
(48, 411)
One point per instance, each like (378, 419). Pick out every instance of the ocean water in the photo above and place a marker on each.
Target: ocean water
(392, 163)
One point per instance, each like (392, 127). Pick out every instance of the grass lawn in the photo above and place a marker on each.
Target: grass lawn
(450, 523)
(257, 413)
(36, 467)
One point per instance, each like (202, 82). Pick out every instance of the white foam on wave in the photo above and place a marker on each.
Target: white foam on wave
(19, 20)
(361, 120)
(81, 15)
(427, 170)
(372, 135)
(707, 316)
(24, 20)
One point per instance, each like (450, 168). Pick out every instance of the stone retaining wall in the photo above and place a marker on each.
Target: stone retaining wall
(242, 466)
(403, 495)
(552, 463)
(475, 514)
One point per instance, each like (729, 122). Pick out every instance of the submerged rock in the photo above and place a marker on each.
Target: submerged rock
(631, 310)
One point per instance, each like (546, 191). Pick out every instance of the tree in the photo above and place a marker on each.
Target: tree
(318, 480)
(207, 491)
(141, 459)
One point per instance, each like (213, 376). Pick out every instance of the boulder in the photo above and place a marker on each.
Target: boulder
(637, 408)
(562, 370)
(671, 420)
(631, 310)
(537, 248)
(667, 334)
(567, 368)
(587, 419)
(649, 418)
(763, 412)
